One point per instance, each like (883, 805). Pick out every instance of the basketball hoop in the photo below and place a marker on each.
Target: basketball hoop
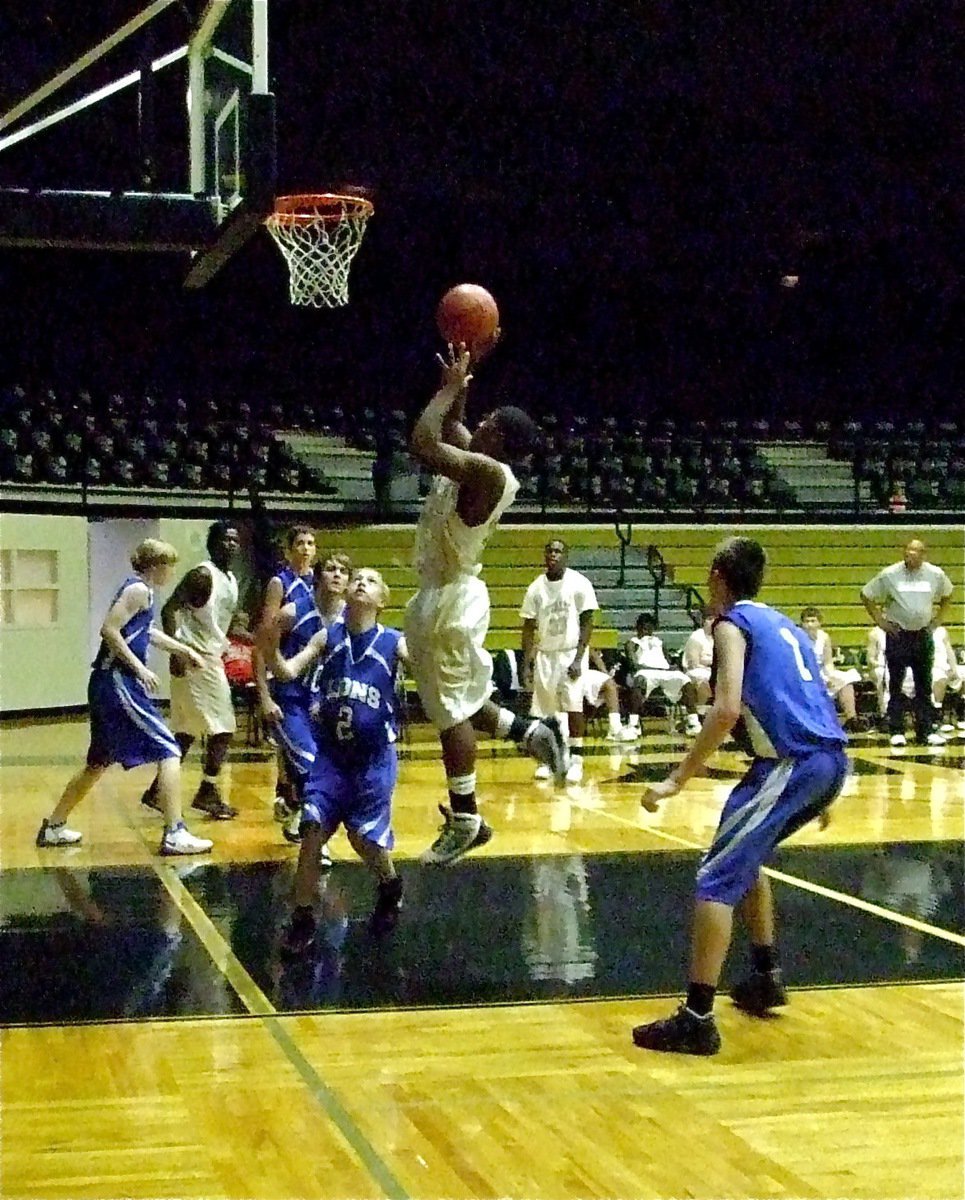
(319, 236)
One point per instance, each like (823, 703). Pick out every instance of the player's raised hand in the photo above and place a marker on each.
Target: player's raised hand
(455, 366)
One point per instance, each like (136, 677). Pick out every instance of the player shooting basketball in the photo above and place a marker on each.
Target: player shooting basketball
(447, 620)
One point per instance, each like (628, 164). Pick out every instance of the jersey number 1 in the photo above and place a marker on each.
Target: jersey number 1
(798, 656)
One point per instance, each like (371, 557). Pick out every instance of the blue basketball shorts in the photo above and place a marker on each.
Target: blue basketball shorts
(358, 796)
(773, 800)
(295, 734)
(126, 726)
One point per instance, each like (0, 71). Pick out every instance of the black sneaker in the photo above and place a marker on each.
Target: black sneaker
(545, 742)
(683, 1033)
(388, 905)
(300, 932)
(150, 800)
(210, 803)
(760, 992)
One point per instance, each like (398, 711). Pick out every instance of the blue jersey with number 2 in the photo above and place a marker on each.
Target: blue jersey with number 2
(353, 692)
(785, 708)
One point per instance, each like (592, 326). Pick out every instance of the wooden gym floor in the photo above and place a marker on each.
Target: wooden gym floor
(155, 1045)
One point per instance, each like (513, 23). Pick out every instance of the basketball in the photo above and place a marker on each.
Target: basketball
(467, 313)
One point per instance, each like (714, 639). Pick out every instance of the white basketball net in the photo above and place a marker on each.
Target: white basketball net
(319, 236)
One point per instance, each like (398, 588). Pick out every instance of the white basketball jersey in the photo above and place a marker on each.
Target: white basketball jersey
(555, 605)
(205, 629)
(446, 548)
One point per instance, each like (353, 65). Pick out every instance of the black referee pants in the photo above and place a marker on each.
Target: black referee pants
(914, 649)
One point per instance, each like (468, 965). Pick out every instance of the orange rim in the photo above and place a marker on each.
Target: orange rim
(319, 206)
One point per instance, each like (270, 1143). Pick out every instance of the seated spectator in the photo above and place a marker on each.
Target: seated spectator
(649, 670)
(898, 499)
(840, 684)
(947, 676)
(877, 667)
(697, 660)
(599, 689)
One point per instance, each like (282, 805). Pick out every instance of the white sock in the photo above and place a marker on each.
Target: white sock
(504, 722)
(614, 719)
(633, 721)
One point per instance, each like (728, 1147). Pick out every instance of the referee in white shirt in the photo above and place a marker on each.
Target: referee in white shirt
(907, 600)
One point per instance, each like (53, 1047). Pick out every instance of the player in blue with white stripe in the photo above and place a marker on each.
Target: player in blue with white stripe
(125, 724)
(351, 784)
(768, 689)
(289, 621)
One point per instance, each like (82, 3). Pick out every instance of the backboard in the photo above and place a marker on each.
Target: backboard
(202, 101)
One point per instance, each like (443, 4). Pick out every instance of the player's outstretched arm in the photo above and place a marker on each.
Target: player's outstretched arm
(265, 638)
(192, 591)
(454, 430)
(174, 646)
(428, 442)
(729, 651)
(290, 668)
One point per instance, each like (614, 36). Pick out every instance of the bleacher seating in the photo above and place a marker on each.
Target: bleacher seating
(597, 462)
(143, 441)
(807, 565)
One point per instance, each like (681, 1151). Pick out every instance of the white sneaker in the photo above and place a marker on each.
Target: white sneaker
(692, 725)
(57, 835)
(948, 727)
(545, 742)
(179, 841)
(458, 834)
(936, 739)
(626, 733)
(542, 772)
(898, 739)
(291, 830)
(574, 772)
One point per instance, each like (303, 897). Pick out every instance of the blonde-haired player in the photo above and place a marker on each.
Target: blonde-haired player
(351, 781)
(125, 724)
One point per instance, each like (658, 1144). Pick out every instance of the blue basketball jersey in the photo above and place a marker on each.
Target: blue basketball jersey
(297, 590)
(785, 708)
(136, 632)
(353, 692)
